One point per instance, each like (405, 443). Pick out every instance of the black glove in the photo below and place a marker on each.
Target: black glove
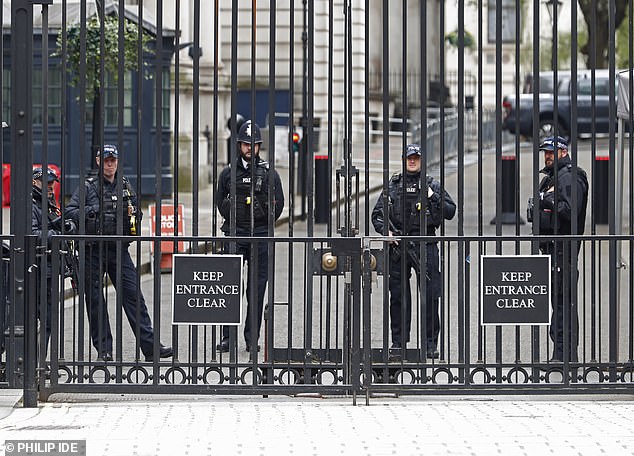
(70, 227)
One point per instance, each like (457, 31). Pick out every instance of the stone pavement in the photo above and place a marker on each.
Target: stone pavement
(203, 425)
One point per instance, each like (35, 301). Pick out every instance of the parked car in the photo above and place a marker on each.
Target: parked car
(585, 116)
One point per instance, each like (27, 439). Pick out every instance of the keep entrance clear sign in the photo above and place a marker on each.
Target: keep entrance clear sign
(515, 289)
(207, 289)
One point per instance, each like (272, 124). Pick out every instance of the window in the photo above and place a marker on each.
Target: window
(165, 101)
(54, 96)
(601, 87)
(508, 21)
(111, 101)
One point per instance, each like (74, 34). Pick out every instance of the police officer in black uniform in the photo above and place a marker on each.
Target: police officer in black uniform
(556, 213)
(250, 199)
(39, 193)
(405, 199)
(101, 213)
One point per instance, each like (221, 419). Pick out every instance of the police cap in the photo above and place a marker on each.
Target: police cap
(552, 143)
(50, 174)
(109, 150)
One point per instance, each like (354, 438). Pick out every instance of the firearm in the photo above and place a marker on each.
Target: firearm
(70, 257)
(413, 253)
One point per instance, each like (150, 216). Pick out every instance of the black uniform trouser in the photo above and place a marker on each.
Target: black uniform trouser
(565, 317)
(401, 302)
(261, 271)
(100, 260)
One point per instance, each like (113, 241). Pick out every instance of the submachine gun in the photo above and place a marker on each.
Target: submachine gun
(412, 248)
(71, 264)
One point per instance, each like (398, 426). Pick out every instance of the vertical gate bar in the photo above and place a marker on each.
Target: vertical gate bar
(57, 297)
(613, 279)
(461, 175)
(271, 224)
(574, 228)
(404, 119)
(386, 171)
(30, 323)
(214, 170)
(479, 330)
(518, 155)
(195, 169)
(175, 156)
(21, 139)
(366, 118)
(233, 154)
(329, 285)
(291, 127)
(498, 165)
(82, 190)
(593, 140)
(559, 246)
(138, 149)
(443, 254)
(120, 115)
(630, 38)
(367, 284)
(535, 335)
(45, 259)
(254, 245)
(291, 184)
(301, 165)
(62, 178)
(310, 146)
(158, 115)
(367, 320)
(593, 155)
(346, 307)
(424, 142)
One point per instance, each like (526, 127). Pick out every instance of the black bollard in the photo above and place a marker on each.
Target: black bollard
(322, 194)
(601, 189)
(509, 190)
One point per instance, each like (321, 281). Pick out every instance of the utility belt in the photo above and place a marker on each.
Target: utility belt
(260, 210)
(107, 224)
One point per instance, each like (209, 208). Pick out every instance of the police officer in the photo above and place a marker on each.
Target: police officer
(556, 212)
(252, 218)
(100, 215)
(405, 199)
(39, 193)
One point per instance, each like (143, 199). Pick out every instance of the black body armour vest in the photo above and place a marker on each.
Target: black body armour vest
(109, 209)
(260, 196)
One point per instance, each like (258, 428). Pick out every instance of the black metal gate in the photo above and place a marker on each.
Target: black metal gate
(339, 89)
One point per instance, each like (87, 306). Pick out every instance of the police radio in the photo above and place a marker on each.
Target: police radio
(127, 196)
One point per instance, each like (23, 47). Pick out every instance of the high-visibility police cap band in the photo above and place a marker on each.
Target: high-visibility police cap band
(109, 151)
(412, 149)
(552, 144)
(51, 176)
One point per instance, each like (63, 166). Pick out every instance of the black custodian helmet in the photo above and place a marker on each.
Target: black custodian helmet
(250, 132)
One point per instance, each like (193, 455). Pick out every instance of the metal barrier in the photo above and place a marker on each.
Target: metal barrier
(327, 70)
(347, 348)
